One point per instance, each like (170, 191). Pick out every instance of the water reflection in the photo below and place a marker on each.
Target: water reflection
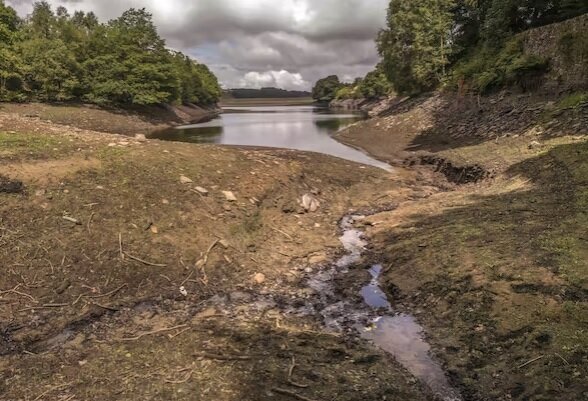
(293, 127)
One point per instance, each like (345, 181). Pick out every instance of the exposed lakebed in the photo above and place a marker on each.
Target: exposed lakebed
(306, 128)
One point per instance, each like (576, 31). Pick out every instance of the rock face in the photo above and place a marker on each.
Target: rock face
(310, 203)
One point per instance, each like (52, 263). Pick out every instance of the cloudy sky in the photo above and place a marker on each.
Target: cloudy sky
(254, 43)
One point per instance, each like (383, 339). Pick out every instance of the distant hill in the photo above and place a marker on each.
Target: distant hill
(266, 93)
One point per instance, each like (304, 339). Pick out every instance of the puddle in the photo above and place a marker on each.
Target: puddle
(398, 334)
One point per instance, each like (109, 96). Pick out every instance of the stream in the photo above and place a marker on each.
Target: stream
(399, 334)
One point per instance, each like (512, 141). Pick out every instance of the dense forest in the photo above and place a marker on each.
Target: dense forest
(465, 45)
(54, 56)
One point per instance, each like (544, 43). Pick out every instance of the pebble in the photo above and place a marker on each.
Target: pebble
(259, 278)
(201, 191)
(185, 180)
(229, 196)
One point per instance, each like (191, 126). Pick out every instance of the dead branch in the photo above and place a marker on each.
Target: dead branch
(143, 261)
(150, 333)
(120, 247)
(283, 232)
(90, 220)
(223, 357)
(290, 372)
(291, 394)
(22, 294)
(107, 294)
(531, 361)
(72, 220)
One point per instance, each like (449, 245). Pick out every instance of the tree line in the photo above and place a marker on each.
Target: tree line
(461, 44)
(373, 86)
(55, 56)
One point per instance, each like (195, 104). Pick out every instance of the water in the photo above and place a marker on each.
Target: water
(398, 334)
(306, 128)
(403, 337)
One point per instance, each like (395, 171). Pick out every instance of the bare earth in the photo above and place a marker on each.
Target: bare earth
(123, 282)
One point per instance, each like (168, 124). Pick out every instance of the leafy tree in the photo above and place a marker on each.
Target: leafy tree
(56, 56)
(325, 90)
(415, 46)
(374, 85)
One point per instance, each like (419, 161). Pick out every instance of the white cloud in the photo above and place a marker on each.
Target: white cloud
(280, 79)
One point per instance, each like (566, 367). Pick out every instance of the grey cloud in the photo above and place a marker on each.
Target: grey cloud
(291, 42)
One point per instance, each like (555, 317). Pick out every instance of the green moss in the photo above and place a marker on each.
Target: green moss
(31, 145)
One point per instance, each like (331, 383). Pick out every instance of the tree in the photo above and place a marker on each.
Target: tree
(374, 85)
(416, 45)
(325, 90)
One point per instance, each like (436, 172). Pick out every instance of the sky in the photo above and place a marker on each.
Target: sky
(256, 43)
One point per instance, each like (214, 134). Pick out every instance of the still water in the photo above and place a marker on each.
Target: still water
(292, 127)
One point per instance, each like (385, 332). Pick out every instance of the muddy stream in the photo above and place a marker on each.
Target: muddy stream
(398, 334)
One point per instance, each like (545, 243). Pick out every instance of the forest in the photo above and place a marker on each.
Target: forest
(465, 45)
(55, 56)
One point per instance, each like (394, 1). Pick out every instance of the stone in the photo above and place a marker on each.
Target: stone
(534, 145)
(141, 138)
(310, 203)
(185, 180)
(259, 278)
(201, 191)
(229, 196)
(165, 201)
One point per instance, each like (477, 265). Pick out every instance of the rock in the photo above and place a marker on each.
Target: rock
(185, 180)
(111, 144)
(227, 208)
(154, 230)
(201, 191)
(534, 145)
(259, 278)
(141, 138)
(40, 192)
(165, 201)
(229, 196)
(310, 203)
(100, 187)
(224, 243)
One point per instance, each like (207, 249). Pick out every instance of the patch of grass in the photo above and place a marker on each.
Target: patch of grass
(31, 145)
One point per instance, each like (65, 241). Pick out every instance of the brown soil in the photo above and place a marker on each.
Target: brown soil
(121, 282)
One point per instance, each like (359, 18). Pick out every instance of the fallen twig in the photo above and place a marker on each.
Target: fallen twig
(223, 357)
(90, 220)
(150, 333)
(107, 294)
(531, 361)
(562, 358)
(143, 261)
(291, 394)
(22, 294)
(72, 220)
(202, 262)
(120, 247)
(283, 232)
(290, 372)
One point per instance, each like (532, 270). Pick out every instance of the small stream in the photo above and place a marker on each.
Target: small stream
(399, 334)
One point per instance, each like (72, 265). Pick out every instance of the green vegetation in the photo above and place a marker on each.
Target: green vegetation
(373, 86)
(424, 40)
(266, 93)
(492, 67)
(326, 89)
(55, 56)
